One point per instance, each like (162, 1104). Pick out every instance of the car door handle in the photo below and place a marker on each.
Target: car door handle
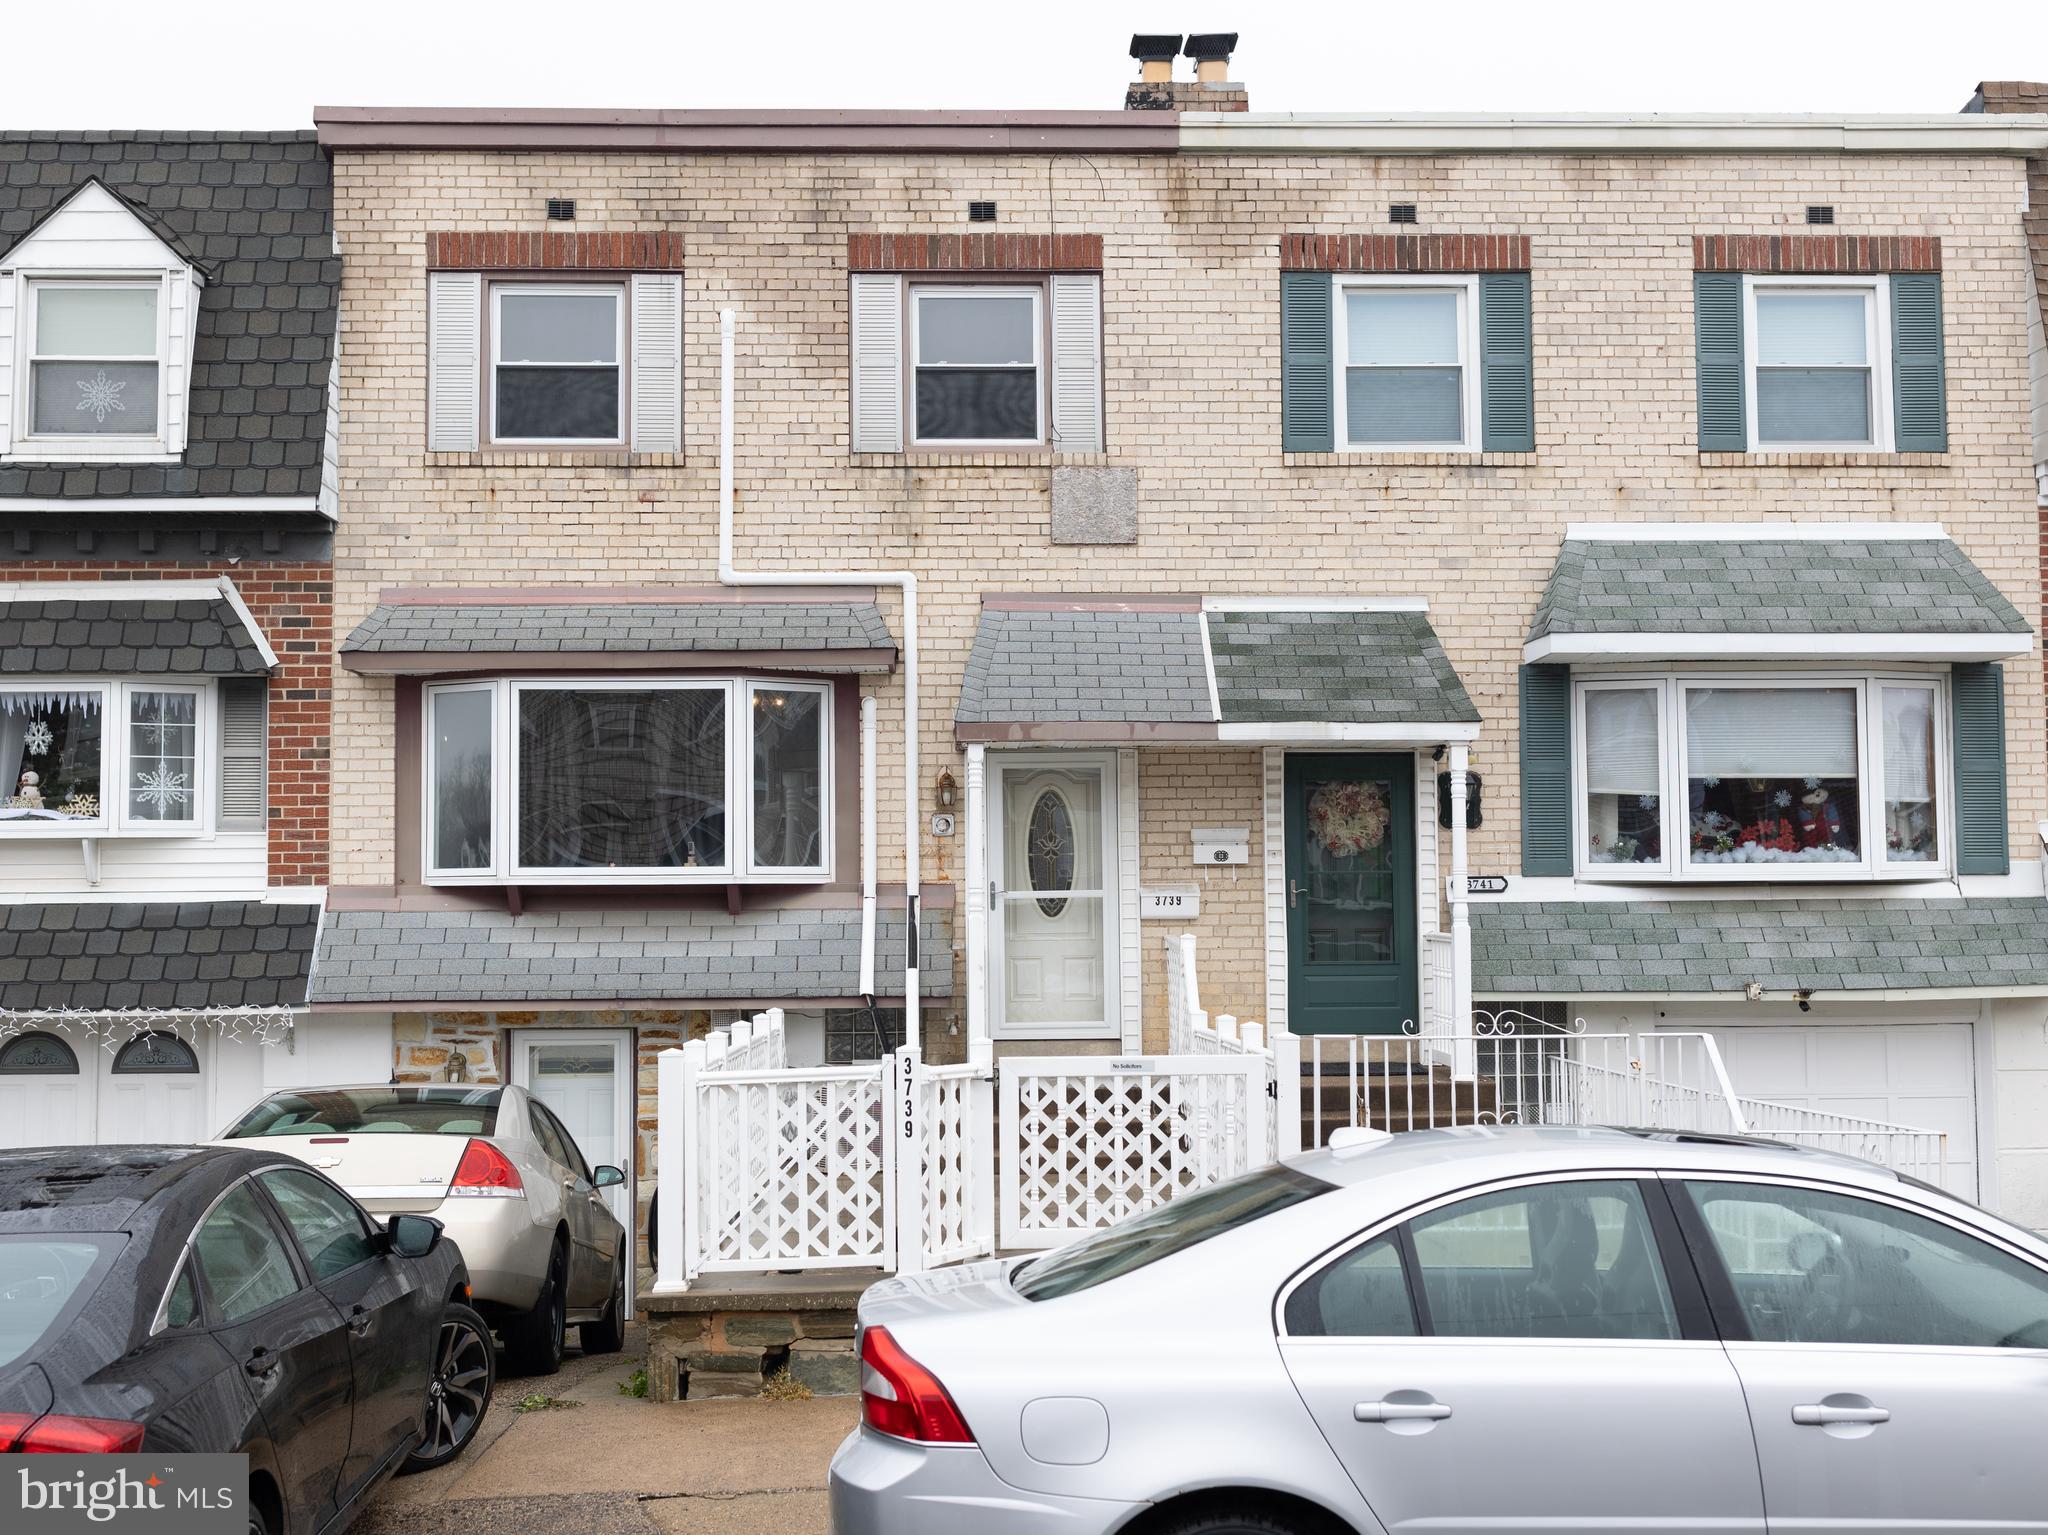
(1820, 1417)
(359, 1320)
(261, 1363)
(1398, 1412)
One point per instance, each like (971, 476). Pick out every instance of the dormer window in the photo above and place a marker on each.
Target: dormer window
(95, 361)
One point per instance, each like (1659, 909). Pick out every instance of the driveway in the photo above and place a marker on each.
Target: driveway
(617, 1465)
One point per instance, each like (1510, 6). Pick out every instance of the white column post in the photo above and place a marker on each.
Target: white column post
(974, 895)
(904, 1084)
(1465, 1058)
(675, 1088)
(1286, 1047)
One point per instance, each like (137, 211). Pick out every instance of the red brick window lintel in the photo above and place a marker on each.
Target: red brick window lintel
(935, 253)
(1816, 254)
(582, 250)
(1404, 253)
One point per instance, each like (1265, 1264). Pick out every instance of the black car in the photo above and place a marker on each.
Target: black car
(189, 1298)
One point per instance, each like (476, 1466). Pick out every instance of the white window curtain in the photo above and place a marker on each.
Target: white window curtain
(1621, 741)
(1908, 744)
(1770, 732)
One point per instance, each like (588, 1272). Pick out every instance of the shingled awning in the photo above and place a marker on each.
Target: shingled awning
(151, 628)
(438, 632)
(479, 957)
(1078, 669)
(169, 957)
(1705, 947)
(1790, 591)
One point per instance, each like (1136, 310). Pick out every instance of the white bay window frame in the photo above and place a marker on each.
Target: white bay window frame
(116, 819)
(1877, 320)
(1673, 685)
(739, 866)
(1466, 286)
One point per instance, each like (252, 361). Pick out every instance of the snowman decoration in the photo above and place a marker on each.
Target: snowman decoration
(30, 796)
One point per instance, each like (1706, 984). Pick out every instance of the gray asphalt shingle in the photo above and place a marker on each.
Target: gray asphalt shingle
(190, 957)
(600, 628)
(198, 636)
(1338, 666)
(1031, 665)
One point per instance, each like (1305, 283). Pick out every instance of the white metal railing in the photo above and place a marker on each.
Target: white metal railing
(1905, 1149)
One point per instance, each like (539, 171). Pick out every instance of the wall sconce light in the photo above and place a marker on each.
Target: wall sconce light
(944, 790)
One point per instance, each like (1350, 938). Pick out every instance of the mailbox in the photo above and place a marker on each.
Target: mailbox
(1222, 844)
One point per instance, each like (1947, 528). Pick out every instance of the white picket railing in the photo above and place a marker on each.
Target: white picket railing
(945, 1194)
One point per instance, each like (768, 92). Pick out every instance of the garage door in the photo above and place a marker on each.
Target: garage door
(1910, 1074)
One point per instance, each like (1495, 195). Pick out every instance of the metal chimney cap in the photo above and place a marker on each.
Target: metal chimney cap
(1154, 46)
(1211, 45)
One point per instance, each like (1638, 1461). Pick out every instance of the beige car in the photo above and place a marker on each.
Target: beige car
(503, 1177)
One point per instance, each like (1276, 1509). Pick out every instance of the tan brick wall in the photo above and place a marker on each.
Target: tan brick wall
(1191, 265)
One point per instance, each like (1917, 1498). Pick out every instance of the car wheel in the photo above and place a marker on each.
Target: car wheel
(259, 1521)
(1233, 1521)
(536, 1340)
(458, 1391)
(607, 1335)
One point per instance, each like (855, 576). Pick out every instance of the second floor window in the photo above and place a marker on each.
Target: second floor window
(978, 354)
(556, 369)
(94, 360)
(1815, 379)
(1406, 373)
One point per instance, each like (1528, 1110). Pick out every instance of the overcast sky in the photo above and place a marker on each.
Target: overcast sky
(263, 64)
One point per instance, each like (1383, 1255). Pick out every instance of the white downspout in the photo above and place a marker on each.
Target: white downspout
(903, 581)
(867, 847)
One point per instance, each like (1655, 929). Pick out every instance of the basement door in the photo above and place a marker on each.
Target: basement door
(1352, 935)
(587, 1077)
(1053, 895)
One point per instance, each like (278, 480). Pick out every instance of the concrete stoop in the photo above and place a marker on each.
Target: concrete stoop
(729, 1335)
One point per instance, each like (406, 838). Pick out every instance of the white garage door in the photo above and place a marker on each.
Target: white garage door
(59, 1092)
(1910, 1074)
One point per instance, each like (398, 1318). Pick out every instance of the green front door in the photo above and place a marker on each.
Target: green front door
(1351, 929)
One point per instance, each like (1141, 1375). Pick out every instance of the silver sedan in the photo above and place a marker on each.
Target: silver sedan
(1478, 1330)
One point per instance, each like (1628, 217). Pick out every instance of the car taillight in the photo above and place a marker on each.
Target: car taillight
(11, 1426)
(56, 1434)
(485, 1170)
(899, 1396)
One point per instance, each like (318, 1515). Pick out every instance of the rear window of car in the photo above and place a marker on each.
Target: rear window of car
(373, 1111)
(1174, 1227)
(43, 1282)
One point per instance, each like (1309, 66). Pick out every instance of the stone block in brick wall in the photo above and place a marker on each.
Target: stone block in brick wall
(759, 1331)
(669, 1338)
(707, 1386)
(827, 1324)
(1094, 506)
(718, 1361)
(829, 1369)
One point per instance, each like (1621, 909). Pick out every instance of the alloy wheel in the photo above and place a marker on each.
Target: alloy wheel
(455, 1395)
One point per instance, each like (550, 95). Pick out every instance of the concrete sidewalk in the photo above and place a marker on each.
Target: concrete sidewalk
(616, 1465)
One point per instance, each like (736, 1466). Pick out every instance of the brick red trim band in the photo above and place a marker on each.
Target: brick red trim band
(1404, 253)
(581, 250)
(1816, 253)
(974, 253)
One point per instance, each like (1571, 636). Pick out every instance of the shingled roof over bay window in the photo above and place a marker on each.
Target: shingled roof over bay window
(1181, 668)
(1770, 591)
(824, 629)
(158, 628)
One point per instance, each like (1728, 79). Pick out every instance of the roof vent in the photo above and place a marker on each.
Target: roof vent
(1820, 213)
(1400, 213)
(981, 213)
(561, 209)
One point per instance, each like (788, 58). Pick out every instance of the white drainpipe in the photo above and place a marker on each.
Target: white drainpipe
(904, 581)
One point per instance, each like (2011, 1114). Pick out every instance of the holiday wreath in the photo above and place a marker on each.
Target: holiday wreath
(1348, 818)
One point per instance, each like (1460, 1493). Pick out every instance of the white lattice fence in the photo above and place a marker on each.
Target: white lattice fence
(1088, 1140)
(945, 1198)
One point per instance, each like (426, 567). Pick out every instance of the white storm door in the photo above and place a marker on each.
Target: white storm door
(586, 1077)
(153, 1089)
(1053, 876)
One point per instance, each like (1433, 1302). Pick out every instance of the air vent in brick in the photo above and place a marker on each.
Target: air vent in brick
(1820, 213)
(561, 209)
(981, 213)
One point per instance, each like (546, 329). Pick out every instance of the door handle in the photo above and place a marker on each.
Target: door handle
(1293, 890)
(1399, 1412)
(261, 1363)
(359, 1320)
(1820, 1416)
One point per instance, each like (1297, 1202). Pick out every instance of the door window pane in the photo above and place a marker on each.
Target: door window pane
(1624, 777)
(789, 778)
(1813, 378)
(558, 375)
(461, 726)
(1364, 1294)
(1561, 1260)
(247, 1267)
(1910, 811)
(329, 1228)
(1349, 875)
(976, 365)
(622, 778)
(163, 756)
(1403, 378)
(1815, 1267)
(181, 1306)
(1772, 776)
(1055, 939)
(50, 754)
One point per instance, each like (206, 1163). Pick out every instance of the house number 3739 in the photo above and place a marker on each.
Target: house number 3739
(1174, 903)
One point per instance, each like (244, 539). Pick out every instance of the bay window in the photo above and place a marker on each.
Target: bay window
(1710, 777)
(97, 757)
(548, 781)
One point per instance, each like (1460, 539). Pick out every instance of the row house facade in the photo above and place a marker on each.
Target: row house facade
(168, 490)
(1201, 508)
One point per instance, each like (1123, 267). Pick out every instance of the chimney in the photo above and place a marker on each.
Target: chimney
(1211, 90)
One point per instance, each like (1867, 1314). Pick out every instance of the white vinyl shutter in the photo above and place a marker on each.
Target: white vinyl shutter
(10, 288)
(455, 324)
(241, 751)
(658, 363)
(1077, 364)
(877, 363)
(181, 331)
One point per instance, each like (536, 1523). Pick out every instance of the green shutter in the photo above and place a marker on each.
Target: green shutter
(1546, 770)
(1507, 375)
(1919, 382)
(1308, 411)
(1977, 712)
(1717, 343)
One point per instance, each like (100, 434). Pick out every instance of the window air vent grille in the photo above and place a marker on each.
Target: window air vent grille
(1400, 213)
(1820, 213)
(561, 209)
(981, 213)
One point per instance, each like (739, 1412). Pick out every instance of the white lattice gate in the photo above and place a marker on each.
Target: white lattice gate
(1088, 1140)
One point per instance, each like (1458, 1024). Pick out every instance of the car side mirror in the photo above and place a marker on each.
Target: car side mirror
(604, 1176)
(413, 1236)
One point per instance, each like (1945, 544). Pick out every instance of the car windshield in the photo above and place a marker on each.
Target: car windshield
(1174, 1227)
(373, 1111)
(44, 1279)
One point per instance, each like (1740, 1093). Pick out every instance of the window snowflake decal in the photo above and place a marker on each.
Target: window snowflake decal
(161, 789)
(37, 740)
(101, 395)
